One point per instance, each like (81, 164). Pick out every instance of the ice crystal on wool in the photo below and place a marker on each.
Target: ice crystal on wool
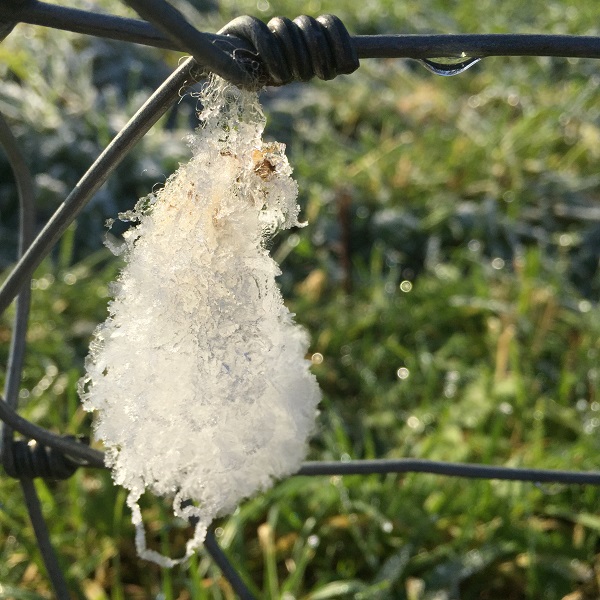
(198, 376)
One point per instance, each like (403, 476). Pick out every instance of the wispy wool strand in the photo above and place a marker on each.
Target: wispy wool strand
(198, 377)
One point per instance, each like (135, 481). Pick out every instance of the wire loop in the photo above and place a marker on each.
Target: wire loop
(297, 50)
(288, 50)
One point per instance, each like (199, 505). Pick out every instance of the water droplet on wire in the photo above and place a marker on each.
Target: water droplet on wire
(448, 66)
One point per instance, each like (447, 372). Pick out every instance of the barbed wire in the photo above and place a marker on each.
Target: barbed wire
(249, 53)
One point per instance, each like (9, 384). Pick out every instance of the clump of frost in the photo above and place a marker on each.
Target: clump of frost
(198, 377)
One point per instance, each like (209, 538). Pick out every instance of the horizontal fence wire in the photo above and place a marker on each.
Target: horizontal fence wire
(219, 53)
(367, 46)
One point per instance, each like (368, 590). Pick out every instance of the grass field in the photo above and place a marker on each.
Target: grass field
(449, 276)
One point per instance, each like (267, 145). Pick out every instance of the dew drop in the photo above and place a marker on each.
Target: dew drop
(449, 66)
(387, 526)
(316, 358)
(402, 373)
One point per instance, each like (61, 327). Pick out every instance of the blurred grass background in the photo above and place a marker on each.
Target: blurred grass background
(449, 278)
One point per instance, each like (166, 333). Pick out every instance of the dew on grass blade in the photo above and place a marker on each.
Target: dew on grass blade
(387, 526)
(448, 66)
(402, 373)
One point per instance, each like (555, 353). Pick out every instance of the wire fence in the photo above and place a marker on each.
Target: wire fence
(251, 54)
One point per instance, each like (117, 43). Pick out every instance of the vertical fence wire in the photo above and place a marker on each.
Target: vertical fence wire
(26, 194)
(42, 535)
(229, 572)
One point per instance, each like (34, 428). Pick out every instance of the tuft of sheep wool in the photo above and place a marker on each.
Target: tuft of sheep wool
(198, 377)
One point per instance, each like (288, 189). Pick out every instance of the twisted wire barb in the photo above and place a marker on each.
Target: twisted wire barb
(296, 50)
(281, 51)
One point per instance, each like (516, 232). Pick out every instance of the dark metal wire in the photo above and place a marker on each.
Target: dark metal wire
(95, 458)
(76, 451)
(296, 50)
(367, 46)
(472, 471)
(82, 21)
(42, 536)
(228, 570)
(476, 45)
(135, 129)
(171, 22)
(25, 192)
(11, 451)
(32, 459)
(96, 175)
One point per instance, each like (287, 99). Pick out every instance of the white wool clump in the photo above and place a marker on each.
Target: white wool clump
(198, 377)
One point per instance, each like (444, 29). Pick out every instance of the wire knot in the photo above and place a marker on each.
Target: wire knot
(297, 50)
(31, 459)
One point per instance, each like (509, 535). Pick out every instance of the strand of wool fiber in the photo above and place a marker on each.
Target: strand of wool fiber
(198, 378)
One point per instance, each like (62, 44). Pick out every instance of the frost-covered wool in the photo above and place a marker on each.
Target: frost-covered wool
(198, 377)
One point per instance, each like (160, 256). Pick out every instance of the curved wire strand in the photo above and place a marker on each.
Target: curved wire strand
(96, 175)
(170, 21)
(229, 572)
(25, 191)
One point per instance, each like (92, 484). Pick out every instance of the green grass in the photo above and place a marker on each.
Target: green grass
(452, 234)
